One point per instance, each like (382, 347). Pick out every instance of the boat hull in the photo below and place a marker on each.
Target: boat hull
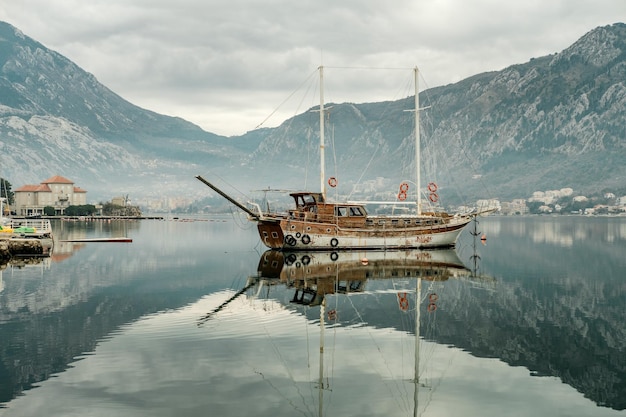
(295, 235)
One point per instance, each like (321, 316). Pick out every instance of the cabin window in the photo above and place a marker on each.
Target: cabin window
(341, 211)
(274, 235)
(355, 211)
(264, 233)
(394, 222)
(381, 222)
(407, 221)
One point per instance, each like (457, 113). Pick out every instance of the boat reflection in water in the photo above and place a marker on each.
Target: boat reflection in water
(396, 275)
(316, 274)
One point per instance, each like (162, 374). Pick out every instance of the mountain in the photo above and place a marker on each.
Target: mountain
(553, 122)
(57, 118)
(556, 121)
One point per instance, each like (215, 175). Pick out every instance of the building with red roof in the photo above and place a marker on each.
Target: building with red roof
(56, 191)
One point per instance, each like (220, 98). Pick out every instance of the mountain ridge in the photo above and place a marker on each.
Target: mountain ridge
(551, 122)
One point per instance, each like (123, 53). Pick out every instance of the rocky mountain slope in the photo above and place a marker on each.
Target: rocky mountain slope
(555, 121)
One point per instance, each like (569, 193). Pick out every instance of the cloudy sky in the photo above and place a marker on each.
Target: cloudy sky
(227, 65)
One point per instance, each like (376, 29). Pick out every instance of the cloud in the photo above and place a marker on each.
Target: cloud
(222, 64)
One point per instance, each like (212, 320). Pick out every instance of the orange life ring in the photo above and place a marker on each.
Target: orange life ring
(432, 307)
(433, 197)
(433, 297)
(403, 302)
(401, 196)
(332, 181)
(432, 187)
(404, 187)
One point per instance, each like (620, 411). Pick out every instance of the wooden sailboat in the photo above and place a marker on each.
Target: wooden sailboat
(314, 223)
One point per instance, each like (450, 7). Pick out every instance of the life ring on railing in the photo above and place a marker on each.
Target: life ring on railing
(404, 187)
(401, 196)
(290, 240)
(332, 181)
(306, 239)
(334, 242)
(433, 297)
(432, 187)
(403, 302)
(432, 307)
(433, 197)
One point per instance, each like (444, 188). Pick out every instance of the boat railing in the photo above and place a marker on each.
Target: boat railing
(40, 225)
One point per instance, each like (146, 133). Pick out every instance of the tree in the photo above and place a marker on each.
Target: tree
(5, 191)
(83, 210)
(48, 211)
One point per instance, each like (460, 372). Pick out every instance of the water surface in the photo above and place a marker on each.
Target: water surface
(532, 323)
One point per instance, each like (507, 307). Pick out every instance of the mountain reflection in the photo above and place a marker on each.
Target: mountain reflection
(562, 325)
(550, 299)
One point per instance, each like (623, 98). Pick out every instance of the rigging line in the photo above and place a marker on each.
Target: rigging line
(384, 360)
(308, 353)
(370, 68)
(213, 174)
(288, 399)
(283, 361)
(403, 340)
(365, 169)
(287, 99)
(306, 412)
(463, 149)
(445, 372)
(306, 169)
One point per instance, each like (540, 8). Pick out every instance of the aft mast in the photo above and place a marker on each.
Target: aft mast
(417, 142)
(322, 160)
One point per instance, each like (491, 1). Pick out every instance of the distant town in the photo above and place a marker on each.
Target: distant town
(563, 201)
(60, 196)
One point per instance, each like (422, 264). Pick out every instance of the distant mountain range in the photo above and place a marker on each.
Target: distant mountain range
(556, 121)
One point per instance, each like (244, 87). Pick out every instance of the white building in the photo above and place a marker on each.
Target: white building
(57, 192)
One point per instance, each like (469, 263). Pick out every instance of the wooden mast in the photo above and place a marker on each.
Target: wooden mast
(417, 143)
(322, 160)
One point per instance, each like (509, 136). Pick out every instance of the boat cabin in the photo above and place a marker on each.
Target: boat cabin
(311, 206)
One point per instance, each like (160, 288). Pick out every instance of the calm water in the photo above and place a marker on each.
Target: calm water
(173, 325)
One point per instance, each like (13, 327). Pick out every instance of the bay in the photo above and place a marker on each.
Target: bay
(531, 323)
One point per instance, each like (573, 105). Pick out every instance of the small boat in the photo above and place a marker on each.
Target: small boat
(314, 223)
